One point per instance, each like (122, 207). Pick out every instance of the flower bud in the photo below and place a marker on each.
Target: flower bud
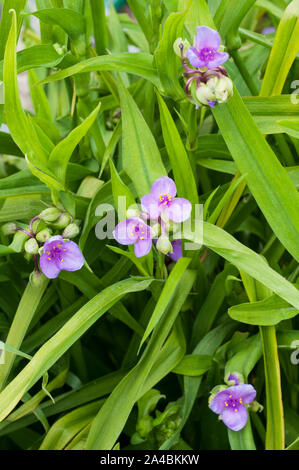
(156, 230)
(206, 95)
(44, 235)
(223, 89)
(62, 221)
(133, 211)
(144, 426)
(71, 231)
(36, 278)
(256, 407)
(234, 378)
(50, 214)
(9, 228)
(180, 47)
(163, 245)
(31, 246)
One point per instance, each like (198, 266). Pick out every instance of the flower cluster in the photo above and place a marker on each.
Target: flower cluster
(231, 402)
(159, 206)
(56, 251)
(206, 80)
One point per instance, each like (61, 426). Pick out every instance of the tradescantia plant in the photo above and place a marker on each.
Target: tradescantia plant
(149, 225)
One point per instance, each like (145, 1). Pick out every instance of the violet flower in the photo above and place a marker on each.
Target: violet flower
(59, 254)
(230, 405)
(205, 52)
(162, 200)
(177, 252)
(134, 231)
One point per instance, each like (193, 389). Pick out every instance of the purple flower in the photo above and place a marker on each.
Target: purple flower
(134, 231)
(58, 255)
(230, 405)
(162, 200)
(269, 30)
(177, 250)
(205, 52)
(233, 378)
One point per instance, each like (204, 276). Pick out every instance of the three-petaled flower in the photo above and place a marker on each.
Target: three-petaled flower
(205, 52)
(59, 254)
(230, 405)
(134, 231)
(162, 202)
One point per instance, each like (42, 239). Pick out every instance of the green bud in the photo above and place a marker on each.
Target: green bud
(44, 235)
(144, 426)
(223, 89)
(9, 228)
(255, 407)
(156, 230)
(50, 214)
(71, 231)
(62, 221)
(204, 93)
(180, 47)
(31, 246)
(36, 278)
(133, 211)
(163, 245)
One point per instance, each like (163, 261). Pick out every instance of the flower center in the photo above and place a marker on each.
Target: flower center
(55, 252)
(165, 199)
(141, 229)
(233, 403)
(206, 54)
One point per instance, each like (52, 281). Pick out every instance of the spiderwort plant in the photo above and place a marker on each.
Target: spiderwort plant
(207, 82)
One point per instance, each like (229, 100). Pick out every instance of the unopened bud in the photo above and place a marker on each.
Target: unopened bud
(223, 89)
(36, 278)
(180, 47)
(156, 230)
(31, 246)
(71, 231)
(63, 220)
(255, 407)
(206, 95)
(163, 245)
(216, 90)
(133, 211)
(9, 228)
(50, 214)
(44, 235)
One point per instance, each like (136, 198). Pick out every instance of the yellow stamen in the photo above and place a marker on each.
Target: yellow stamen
(226, 404)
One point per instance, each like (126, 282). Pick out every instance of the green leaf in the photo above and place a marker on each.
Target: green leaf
(166, 296)
(70, 21)
(284, 51)
(53, 349)
(141, 157)
(61, 154)
(193, 365)
(5, 23)
(267, 312)
(181, 167)
(266, 178)
(136, 63)
(245, 260)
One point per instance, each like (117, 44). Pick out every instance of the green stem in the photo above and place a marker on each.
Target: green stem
(22, 319)
(244, 72)
(275, 421)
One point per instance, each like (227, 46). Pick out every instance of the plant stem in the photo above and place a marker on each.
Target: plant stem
(22, 319)
(244, 72)
(275, 421)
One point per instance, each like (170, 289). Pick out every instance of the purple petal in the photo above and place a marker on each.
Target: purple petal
(151, 206)
(218, 403)
(235, 418)
(206, 37)
(219, 58)
(56, 238)
(193, 57)
(72, 258)
(177, 250)
(211, 103)
(233, 377)
(178, 210)
(163, 185)
(269, 30)
(49, 268)
(142, 247)
(124, 232)
(244, 391)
